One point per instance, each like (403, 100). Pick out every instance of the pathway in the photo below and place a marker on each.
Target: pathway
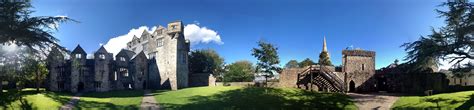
(149, 102)
(70, 105)
(374, 101)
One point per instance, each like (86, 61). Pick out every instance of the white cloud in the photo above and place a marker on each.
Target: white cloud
(192, 32)
(116, 44)
(198, 35)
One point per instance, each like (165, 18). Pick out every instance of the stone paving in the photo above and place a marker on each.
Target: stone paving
(70, 105)
(149, 102)
(374, 101)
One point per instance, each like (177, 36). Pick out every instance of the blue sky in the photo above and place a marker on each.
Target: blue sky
(297, 27)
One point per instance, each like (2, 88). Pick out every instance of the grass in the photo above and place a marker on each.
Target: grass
(244, 98)
(458, 100)
(32, 100)
(113, 100)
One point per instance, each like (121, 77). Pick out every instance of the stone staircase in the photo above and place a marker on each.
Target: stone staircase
(321, 78)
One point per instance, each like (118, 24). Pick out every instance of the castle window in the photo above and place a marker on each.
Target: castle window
(124, 71)
(115, 76)
(173, 27)
(160, 42)
(122, 58)
(78, 56)
(102, 56)
(363, 66)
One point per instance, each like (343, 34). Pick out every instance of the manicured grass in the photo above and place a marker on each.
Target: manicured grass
(113, 100)
(457, 100)
(42, 101)
(205, 98)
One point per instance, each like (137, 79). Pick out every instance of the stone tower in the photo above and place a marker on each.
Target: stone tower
(359, 69)
(56, 79)
(103, 68)
(78, 69)
(169, 50)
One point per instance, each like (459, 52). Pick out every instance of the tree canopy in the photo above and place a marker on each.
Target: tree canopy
(206, 61)
(306, 62)
(239, 71)
(453, 42)
(324, 59)
(18, 27)
(292, 64)
(268, 59)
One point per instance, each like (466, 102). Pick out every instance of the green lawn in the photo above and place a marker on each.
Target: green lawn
(113, 100)
(244, 98)
(42, 101)
(457, 100)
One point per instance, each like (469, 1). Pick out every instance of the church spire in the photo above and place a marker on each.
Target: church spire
(325, 48)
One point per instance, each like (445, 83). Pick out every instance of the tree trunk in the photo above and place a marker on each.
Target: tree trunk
(37, 81)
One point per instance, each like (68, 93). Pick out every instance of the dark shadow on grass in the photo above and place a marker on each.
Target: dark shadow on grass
(7, 98)
(83, 104)
(255, 98)
(468, 105)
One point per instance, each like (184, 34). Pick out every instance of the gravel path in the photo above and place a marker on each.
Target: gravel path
(149, 102)
(70, 105)
(374, 101)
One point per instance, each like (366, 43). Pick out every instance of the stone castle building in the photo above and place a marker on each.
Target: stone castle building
(156, 60)
(355, 74)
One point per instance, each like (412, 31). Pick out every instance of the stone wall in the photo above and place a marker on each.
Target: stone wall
(201, 79)
(289, 77)
(359, 65)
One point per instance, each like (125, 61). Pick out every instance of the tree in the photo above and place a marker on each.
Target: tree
(35, 71)
(292, 64)
(268, 59)
(324, 59)
(239, 71)
(306, 62)
(19, 28)
(453, 42)
(206, 61)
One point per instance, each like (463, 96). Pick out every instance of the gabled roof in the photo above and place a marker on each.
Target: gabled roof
(134, 37)
(102, 50)
(139, 55)
(79, 49)
(125, 52)
(145, 32)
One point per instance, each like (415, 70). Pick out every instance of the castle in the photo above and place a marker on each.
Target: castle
(156, 60)
(356, 73)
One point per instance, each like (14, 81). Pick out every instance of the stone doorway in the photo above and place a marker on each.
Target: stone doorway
(382, 83)
(80, 87)
(351, 86)
(144, 85)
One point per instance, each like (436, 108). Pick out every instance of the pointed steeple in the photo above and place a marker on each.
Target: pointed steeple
(325, 48)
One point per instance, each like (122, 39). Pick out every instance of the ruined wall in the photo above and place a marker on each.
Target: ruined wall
(289, 77)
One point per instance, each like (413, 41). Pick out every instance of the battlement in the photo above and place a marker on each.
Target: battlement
(364, 53)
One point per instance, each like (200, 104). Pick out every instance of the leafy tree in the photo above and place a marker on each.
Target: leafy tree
(268, 59)
(206, 61)
(453, 42)
(292, 64)
(19, 28)
(239, 71)
(35, 71)
(306, 62)
(324, 59)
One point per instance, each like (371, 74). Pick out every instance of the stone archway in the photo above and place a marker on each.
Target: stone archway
(352, 86)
